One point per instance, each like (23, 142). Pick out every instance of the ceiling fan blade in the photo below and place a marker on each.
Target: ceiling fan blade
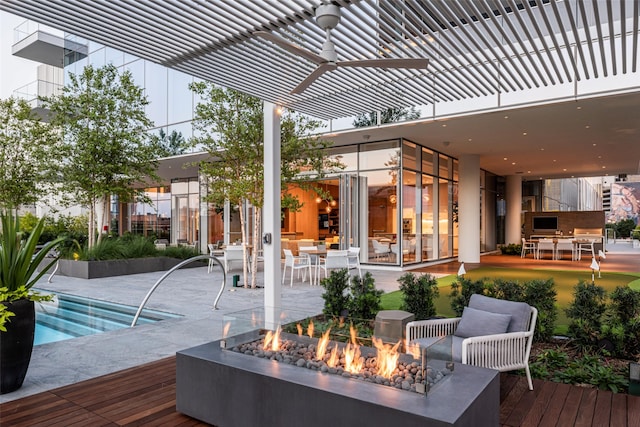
(290, 47)
(321, 69)
(419, 63)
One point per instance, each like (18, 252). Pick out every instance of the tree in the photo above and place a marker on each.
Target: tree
(169, 145)
(101, 114)
(390, 115)
(28, 149)
(232, 127)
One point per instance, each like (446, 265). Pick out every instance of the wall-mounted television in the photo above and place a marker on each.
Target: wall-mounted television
(545, 223)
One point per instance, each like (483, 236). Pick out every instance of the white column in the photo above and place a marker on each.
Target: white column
(513, 220)
(469, 209)
(271, 213)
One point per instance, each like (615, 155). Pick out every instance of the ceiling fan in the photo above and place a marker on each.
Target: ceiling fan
(328, 17)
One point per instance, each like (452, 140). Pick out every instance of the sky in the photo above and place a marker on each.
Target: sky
(15, 72)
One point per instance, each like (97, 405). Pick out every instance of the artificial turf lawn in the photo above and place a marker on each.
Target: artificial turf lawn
(564, 281)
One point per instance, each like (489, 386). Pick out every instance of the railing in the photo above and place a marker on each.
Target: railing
(165, 275)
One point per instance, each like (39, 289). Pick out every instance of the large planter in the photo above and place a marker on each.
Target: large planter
(16, 345)
(117, 267)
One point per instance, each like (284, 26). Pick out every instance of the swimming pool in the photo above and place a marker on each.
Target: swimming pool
(71, 316)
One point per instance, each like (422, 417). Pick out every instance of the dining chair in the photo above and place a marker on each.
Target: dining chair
(528, 247)
(546, 245)
(381, 250)
(233, 254)
(296, 263)
(314, 258)
(335, 260)
(585, 245)
(353, 258)
(564, 245)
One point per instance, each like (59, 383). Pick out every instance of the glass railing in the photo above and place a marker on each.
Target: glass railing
(32, 92)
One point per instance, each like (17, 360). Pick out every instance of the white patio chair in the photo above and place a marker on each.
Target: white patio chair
(406, 247)
(546, 245)
(302, 251)
(232, 255)
(296, 263)
(564, 245)
(492, 333)
(335, 260)
(528, 247)
(381, 250)
(215, 251)
(353, 258)
(585, 245)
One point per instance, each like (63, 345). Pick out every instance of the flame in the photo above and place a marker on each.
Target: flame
(413, 349)
(333, 358)
(353, 333)
(352, 360)
(225, 329)
(272, 340)
(299, 327)
(310, 329)
(387, 357)
(322, 345)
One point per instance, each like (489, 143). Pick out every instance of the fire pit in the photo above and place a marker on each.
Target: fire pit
(257, 377)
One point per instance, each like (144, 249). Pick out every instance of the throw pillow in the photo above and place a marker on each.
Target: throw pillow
(475, 323)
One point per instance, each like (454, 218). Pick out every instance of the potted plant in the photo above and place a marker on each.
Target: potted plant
(19, 259)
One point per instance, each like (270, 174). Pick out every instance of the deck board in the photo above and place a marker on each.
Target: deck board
(145, 396)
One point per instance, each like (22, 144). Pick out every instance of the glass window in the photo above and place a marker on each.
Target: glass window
(444, 166)
(409, 155)
(113, 56)
(427, 161)
(180, 107)
(410, 196)
(381, 214)
(156, 91)
(427, 217)
(347, 155)
(183, 129)
(97, 58)
(380, 155)
(137, 71)
(455, 169)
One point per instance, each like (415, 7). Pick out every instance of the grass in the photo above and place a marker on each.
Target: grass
(564, 280)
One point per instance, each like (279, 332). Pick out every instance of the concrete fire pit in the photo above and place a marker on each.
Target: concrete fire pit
(228, 389)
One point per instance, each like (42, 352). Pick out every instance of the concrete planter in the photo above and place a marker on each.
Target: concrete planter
(117, 267)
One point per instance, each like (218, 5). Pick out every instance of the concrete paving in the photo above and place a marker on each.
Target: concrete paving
(190, 292)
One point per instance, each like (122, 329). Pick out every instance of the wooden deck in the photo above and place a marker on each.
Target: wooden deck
(145, 396)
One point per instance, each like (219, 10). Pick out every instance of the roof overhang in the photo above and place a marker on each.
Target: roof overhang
(533, 58)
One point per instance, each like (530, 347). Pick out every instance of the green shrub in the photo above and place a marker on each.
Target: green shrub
(593, 370)
(511, 249)
(365, 298)
(179, 252)
(461, 291)
(542, 294)
(506, 289)
(418, 295)
(625, 227)
(621, 325)
(585, 313)
(336, 299)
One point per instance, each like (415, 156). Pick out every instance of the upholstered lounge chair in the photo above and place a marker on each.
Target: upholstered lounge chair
(491, 333)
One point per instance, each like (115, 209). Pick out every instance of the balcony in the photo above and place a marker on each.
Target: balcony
(45, 45)
(49, 83)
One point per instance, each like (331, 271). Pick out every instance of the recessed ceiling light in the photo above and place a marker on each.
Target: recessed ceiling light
(504, 158)
(444, 126)
(513, 163)
(470, 140)
(578, 108)
(524, 133)
(528, 171)
(554, 160)
(587, 127)
(604, 167)
(506, 117)
(594, 144)
(542, 149)
(564, 169)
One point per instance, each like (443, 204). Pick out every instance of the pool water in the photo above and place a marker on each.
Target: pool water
(70, 316)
